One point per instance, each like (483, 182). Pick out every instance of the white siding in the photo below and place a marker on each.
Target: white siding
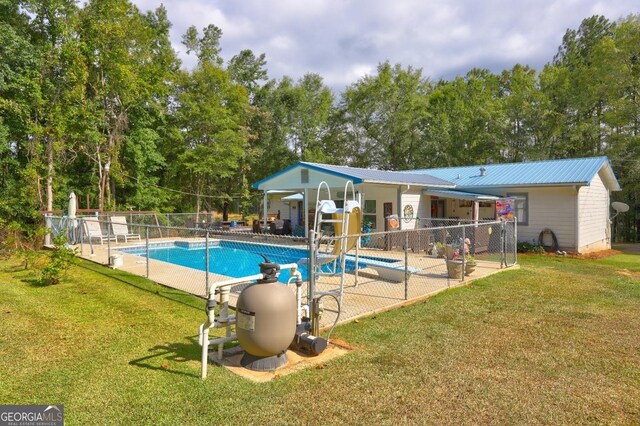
(382, 194)
(553, 208)
(414, 198)
(549, 207)
(292, 180)
(594, 214)
(276, 204)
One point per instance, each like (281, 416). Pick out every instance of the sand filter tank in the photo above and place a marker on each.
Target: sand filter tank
(266, 320)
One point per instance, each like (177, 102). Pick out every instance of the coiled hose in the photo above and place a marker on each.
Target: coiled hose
(554, 246)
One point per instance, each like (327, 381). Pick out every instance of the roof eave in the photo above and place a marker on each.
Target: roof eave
(428, 185)
(523, 185)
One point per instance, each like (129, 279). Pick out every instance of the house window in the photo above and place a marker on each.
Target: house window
(304, 175)
(369, 213)
(521, 207)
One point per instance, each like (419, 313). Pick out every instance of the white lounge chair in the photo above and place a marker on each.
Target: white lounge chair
(121, 229)
(94, 231)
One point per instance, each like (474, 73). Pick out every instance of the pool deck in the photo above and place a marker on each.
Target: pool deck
(368, 295)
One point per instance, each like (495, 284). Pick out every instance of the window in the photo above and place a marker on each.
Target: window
(304, 175)
(369, 214)
(521, 207)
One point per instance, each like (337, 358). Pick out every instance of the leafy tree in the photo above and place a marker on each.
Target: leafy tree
(248, 70)
(384, 117)
(524, 107)
(18, 85)
(211, 112)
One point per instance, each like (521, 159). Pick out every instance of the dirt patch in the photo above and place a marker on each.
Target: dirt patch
(602, 254)
(628, 273)
(594, 255)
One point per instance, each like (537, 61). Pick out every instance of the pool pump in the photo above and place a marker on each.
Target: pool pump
(269, 319)
(266, 320)
(305, 340)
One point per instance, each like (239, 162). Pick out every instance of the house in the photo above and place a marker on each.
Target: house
(570, 197)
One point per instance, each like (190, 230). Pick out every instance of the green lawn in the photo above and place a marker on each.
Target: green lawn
(557, 341)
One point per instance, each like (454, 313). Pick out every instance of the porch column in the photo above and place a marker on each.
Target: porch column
(305, 213)
(476, 211)
(264, 210)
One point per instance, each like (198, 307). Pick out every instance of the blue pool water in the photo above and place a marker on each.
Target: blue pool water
(230, 258)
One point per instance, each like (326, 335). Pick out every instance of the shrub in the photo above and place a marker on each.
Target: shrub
(60, 259)
(21, 241)
(527, 247)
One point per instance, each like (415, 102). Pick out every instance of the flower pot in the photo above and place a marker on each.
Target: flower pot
(454, 268)
(469, 268)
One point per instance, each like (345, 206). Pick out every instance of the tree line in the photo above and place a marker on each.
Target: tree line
(93, 99)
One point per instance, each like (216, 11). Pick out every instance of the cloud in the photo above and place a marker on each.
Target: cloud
(343, 40)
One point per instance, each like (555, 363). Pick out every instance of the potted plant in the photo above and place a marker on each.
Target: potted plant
(455, 252)
(469, 264)
(454, 262)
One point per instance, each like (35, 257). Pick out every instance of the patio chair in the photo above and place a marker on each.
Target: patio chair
(94, 231)
(121, 229)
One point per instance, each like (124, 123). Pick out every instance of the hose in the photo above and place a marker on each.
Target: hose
(337, 316)
(554, 246)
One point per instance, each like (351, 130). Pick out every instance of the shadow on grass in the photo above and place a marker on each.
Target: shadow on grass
(176, 352)
(126, 278)
(35, 282)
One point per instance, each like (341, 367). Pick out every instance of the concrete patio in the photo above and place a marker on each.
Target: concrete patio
(366, 296)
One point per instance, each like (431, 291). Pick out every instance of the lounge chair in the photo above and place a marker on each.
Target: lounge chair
(94, 231)
(121, 229)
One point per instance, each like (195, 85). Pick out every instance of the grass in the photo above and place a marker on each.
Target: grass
(557, 341)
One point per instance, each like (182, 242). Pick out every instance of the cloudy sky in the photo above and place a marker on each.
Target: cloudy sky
(342, 40)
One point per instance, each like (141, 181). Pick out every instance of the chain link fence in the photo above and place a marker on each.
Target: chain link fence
(381, 269)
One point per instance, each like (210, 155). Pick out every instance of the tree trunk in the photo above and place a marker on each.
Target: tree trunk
(50, 171)
(225, 211)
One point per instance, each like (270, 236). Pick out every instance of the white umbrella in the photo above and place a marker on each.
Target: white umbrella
(71, 215)
(72, 206)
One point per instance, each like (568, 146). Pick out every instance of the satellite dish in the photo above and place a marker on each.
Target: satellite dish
(620, 207)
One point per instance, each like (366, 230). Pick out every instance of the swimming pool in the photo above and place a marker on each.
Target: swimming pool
(233, 258)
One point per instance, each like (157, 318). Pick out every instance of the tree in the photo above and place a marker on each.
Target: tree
(525, 107)
(19, 63)
(384, 117)
(120, 48)
(211, 112)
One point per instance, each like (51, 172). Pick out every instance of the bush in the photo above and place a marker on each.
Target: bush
(21, 241)
(527, 247)
(60, 259)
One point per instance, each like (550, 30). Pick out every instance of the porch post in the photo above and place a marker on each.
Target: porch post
(264, 210)
(476, 211)
(399, 202)
(305, 216)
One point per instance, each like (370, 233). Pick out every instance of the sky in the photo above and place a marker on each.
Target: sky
(344, 40)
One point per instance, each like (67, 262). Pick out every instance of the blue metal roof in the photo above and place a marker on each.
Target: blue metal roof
(577, 171)
(574, 171)
(383, 176)
(358, 175)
